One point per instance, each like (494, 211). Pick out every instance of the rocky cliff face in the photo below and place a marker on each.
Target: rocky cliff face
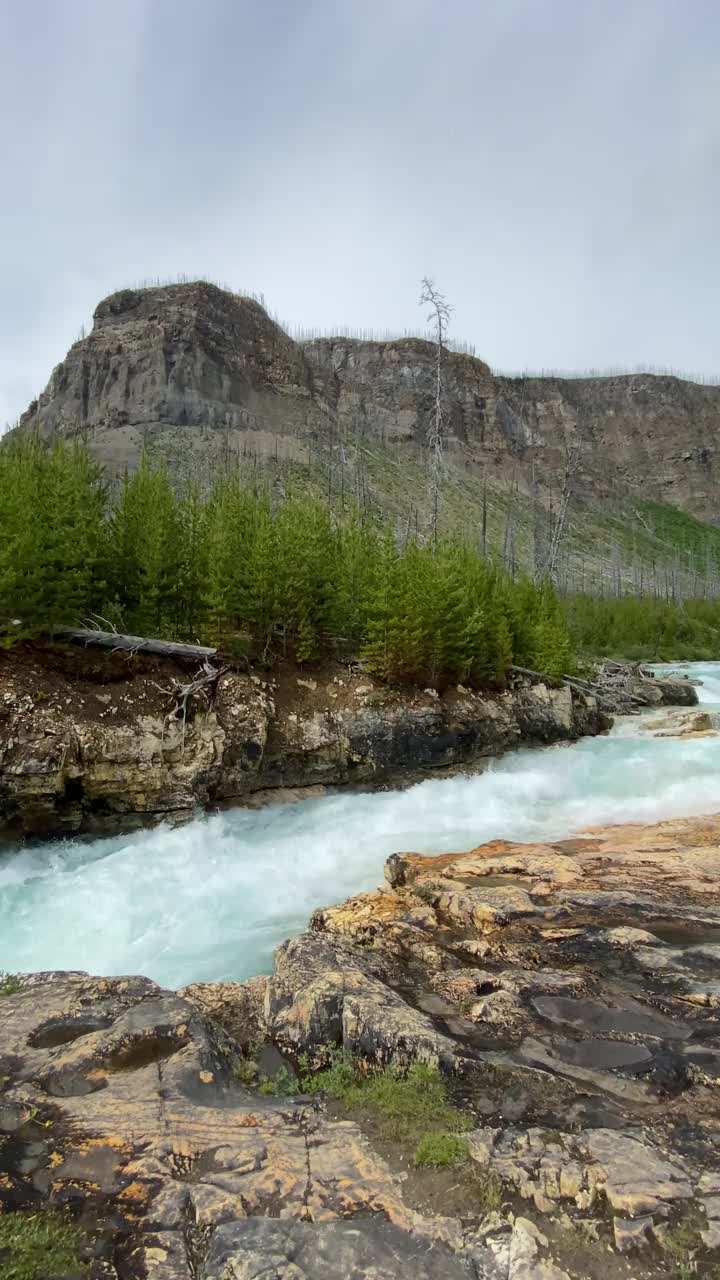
(88, 744)
(199, 374)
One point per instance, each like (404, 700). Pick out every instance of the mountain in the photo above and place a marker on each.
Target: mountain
(200, 376)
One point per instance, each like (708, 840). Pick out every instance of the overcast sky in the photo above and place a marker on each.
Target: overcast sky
(554, 164)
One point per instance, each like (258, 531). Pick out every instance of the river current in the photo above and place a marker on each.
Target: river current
(210, 900)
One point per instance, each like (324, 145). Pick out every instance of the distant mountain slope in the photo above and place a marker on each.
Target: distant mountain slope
(200, 376)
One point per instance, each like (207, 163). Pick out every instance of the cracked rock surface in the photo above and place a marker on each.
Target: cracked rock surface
(119, 1094)
(571, 1007)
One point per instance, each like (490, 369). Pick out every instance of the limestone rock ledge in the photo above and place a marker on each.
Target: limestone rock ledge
(573, 990)
(568, 991)
(119, 1098)
(86, 744)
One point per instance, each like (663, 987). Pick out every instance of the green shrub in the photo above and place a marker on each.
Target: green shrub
(9, 983)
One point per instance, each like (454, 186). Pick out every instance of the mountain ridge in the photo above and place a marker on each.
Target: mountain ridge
(199, 376)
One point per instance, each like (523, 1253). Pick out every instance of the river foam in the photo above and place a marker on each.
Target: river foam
(210, 900)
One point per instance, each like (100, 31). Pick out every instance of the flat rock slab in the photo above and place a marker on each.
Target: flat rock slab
(631, 1173)
(360, 1250)
(599, 1019)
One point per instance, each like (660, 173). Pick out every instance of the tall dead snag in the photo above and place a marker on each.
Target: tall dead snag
(439, 318)
(572, 462)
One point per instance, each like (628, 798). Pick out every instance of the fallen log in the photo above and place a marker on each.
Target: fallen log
(133, 644)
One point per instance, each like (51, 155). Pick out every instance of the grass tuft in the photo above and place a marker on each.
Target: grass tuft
(489, 1190)
(405, 1104)
(683, 1239)
(34, 1246)
(441, 1150)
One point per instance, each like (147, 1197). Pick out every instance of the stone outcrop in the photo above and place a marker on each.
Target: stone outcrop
(589, 1044)
(86, 742)
(568, 991)
(199, 373)
(684, 724)
(120, 1097)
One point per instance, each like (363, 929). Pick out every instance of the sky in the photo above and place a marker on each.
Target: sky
(554, 165)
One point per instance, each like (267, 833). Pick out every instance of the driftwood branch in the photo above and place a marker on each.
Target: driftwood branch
(583, 686)
(204, 685)
(134, 644)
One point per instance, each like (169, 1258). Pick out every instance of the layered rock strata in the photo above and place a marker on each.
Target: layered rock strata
(92, 747)
(200, 374)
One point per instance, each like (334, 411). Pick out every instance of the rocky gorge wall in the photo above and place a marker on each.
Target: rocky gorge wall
(86, 743)
(201, 374)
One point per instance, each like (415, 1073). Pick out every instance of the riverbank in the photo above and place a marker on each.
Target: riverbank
(88, 741)
(567, 991)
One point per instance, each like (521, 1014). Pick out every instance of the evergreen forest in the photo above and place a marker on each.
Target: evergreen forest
(261, 578)
(267, 579)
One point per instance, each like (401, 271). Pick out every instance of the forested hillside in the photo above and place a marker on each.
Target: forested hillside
(267, 580)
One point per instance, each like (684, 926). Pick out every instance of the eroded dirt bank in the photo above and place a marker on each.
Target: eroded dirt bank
(86, 742)
(569, 994)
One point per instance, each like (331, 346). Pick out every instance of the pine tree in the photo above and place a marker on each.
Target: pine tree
(381, 612)
(145, 551)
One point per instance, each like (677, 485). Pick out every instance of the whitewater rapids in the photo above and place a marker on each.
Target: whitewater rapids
(210, 900)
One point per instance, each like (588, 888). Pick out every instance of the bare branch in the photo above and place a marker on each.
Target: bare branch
(439, 317)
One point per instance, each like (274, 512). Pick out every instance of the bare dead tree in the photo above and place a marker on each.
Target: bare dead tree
(537, 549)
(439, 318)
(508, 551)
(572, 462)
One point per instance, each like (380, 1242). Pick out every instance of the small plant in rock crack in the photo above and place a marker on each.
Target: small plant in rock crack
(246, 1071)
(488, 1189)
(283, 1084)
(427, 892)
(9, 983)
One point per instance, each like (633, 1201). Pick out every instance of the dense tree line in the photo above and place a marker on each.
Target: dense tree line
(259, 578)
(643, 627)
